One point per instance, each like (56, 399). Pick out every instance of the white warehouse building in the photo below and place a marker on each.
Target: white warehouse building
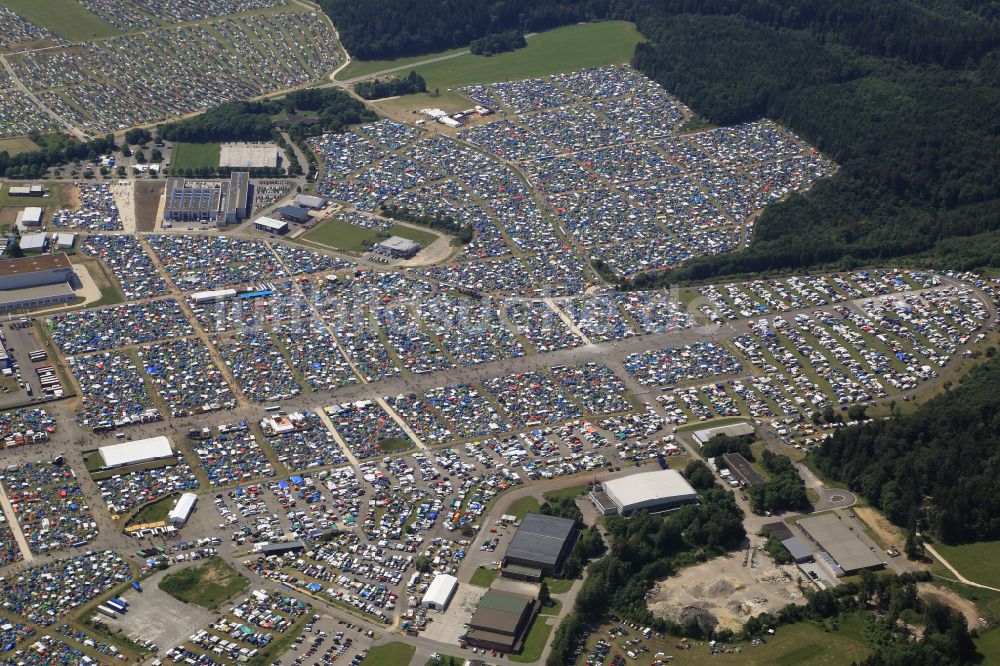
(440, 592)
(659, 490)
(139, 451)
(185, 505)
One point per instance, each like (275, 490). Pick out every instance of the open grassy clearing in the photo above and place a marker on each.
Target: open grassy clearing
(534, 643)
(357, 240)
(17, 146)
(341, 236)
(155, 511)
(979, 562)
(802, 644)
(207, 585)
(390, 654)
(988, 644)
(523, 506)
(195, 156)
(483, 577)
(365, 67)
(561, 50)
(394, 444)
(572, 491)
(63, 17)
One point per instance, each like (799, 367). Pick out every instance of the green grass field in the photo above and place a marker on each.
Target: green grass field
(394, 444)
(483, 577)
(356, 240)
(63, 17)
(979, 562)
(425, 238)
(561, 50)
(534, 643)
(572, 491)
(390, 654)
(802, 644)
(341, 235)
(17, 146)
(207, 585)
(156, 511)
(988, 644)
(365, 67)
(195, 155)
(523, 507)
(559, 585)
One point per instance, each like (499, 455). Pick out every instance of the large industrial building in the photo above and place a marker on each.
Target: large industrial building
(501, 621)
(31, 282)
(138, 451)
(539, 547)
(841, 547)
(660, 490)
(220, 202)
(440, 592)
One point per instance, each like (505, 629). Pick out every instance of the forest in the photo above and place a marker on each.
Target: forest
(934, 469)
(334, 111)
(498, 43)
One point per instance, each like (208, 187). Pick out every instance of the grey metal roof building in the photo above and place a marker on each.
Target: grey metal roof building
(840, 542)
(742, 469)
(798, 549)
(540, 545)
(733, 430)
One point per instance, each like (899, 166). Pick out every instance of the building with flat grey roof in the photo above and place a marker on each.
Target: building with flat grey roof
(798, 549)
(398, 247)
(841, 543)
(741, 468)
(310, 201)
(218, 201)
(539, 547)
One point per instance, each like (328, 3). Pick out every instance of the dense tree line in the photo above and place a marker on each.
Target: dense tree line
(498, 43)
(138, 137)
(935, 468)
(334, 111)
(56, 149)
(393, 28)
(440, 222)
(723, 443)
(782, 491)
(391, 86)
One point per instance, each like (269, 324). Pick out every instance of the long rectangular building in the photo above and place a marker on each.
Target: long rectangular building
(138, 451)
